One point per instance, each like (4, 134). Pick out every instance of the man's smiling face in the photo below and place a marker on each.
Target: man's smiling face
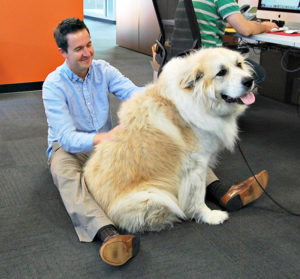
(80, 52)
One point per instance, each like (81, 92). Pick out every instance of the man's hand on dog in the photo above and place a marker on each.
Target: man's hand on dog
(106, 136)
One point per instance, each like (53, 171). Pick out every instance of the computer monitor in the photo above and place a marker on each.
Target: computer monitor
(283, 10)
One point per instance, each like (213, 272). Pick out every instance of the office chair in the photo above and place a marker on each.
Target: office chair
(180, 33)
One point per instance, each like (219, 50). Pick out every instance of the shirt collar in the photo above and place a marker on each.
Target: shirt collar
(72, 76)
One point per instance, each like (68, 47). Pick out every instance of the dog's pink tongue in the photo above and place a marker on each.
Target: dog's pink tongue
(249, 99)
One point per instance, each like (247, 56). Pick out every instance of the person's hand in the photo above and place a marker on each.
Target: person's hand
(248, 28)
(269, 25)
(106, 136)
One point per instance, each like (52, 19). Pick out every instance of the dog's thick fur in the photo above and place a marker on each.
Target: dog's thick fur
(153, 173)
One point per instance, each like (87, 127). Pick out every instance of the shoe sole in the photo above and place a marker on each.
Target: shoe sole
(250, 194)
(118, 252)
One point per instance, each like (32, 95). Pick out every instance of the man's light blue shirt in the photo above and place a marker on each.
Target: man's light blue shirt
(78, 109)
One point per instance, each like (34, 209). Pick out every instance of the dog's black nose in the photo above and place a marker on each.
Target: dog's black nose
(247, 82)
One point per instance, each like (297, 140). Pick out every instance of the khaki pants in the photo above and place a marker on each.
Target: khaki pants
(86, 215)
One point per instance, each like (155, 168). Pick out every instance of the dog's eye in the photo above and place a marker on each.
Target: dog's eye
(239, 64)
(222, 73)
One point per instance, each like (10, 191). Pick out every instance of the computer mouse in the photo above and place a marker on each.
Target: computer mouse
(279, 29)
(275, 30)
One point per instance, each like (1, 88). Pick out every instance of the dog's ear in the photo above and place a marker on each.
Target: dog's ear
(190, 80)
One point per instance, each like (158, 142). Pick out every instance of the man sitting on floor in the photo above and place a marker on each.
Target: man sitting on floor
(76, 101)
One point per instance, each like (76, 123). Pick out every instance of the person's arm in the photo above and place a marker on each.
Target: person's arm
(248, 28)
(61, 122)
(119, 85)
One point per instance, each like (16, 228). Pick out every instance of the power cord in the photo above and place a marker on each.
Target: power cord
(268, 195)
(285, 52)
(284, 62)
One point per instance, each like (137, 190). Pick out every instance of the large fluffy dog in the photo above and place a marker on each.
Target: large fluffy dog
(153, 172)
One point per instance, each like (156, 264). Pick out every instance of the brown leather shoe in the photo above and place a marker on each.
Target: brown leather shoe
(245, 192)
(118, 249)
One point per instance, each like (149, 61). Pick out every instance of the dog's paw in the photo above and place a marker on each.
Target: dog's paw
(214, 217)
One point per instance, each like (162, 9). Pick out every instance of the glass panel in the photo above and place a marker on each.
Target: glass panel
(111, 8)
(104, 9)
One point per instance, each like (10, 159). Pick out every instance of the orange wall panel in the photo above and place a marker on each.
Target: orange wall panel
(28, 49)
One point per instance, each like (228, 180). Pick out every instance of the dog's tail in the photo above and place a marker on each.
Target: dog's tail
(147, 210)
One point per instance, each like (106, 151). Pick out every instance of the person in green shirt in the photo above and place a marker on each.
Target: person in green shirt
(214, 16)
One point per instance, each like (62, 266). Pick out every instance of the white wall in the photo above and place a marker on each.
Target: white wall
(250, 2)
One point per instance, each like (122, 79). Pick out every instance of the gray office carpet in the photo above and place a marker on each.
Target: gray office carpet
(37, 239)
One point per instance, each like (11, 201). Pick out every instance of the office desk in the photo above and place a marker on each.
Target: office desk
(292, 41)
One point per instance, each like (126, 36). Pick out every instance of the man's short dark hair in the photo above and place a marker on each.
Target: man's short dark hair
(65, 27)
